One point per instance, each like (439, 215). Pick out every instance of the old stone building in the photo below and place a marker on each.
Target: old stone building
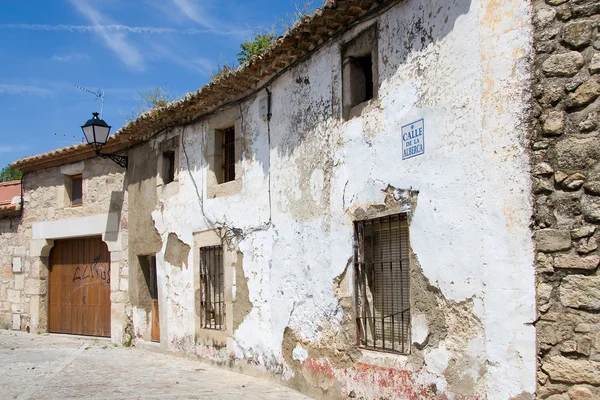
(397, 200)
(64, 266)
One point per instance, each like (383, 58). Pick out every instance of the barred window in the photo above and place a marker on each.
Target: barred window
(382, 284)
(212, 299)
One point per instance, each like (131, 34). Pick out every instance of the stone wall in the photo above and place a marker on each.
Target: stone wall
(11, 284)
(46, 201)
(566, 174)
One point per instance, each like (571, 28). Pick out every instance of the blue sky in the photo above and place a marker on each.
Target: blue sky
(123, 47)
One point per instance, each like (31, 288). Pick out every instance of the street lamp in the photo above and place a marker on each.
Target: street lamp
(96, 133)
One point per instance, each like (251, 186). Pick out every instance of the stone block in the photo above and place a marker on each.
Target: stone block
(551, 240)
(575, 261)
(584, 95)
(542, 169)
(577, 34)
(553, 123)
(562, 369)
(586, 246)
(33, 286)
(574, 182)
(580, 393)
(564, 64)
(19, 282)
(583, 327)
(580, 292)
(582, 232)
(556, 2)
(595, 64)
(124, 285)
(592, 187)
(577, 154)
(13, 296)
(590, 208)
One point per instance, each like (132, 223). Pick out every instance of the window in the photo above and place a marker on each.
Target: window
(225, 140)
(168, 167)
(360, 72)
(381, 267)
(212, 296)
(76, 190)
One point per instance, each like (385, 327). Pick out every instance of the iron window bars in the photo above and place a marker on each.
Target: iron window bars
(212, 301)
(382, 289)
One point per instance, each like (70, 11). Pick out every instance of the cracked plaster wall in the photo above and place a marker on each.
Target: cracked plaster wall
(463, 66)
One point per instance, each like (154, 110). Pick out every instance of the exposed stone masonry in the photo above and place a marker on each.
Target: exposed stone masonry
(566, 187)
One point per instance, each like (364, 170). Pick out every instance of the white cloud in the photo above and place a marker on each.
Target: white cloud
(24, 90)
(191, 10)
(71, 57)
(115, 41)
(11, 149)
(119, 28)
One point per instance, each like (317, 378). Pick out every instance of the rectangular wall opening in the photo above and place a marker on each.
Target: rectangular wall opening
(382, 290)
(212, 297)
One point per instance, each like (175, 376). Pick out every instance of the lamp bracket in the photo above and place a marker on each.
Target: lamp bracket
(120, 160)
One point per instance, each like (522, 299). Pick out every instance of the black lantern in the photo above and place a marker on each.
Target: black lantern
(96, 133)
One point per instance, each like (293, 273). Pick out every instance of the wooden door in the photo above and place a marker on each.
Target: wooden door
(79, 287)
(155, 332)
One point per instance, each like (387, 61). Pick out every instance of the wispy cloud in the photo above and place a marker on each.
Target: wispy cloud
(119, 28)
(194, 12)
(28, 90)
(115, 41)
(197, 64)
(11, 149)
(71, 57)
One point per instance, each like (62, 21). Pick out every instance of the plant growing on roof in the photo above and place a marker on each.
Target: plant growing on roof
(255, 47)
(150, 99)
(10, 174)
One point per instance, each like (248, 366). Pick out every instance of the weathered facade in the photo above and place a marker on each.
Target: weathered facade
(308, 164)
(566, 168)
(424, 167)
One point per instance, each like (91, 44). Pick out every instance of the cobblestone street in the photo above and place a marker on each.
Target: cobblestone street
(61, 367)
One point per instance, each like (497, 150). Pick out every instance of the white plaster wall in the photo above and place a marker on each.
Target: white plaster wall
(467, 78)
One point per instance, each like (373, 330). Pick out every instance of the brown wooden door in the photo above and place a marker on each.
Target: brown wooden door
(155, 332)
(155, 322)
(79, 288)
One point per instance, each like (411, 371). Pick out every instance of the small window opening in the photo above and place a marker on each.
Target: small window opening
(360, 74)
(364, 76)
(227, 140)
(212, 298)
(382, 300)
(168, 167)
(76, 190)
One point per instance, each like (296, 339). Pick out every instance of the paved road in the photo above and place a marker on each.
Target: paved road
(59, 367)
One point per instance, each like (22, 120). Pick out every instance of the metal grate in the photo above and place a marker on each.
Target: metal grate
(229, 154)
(382, 284)
(212, 301)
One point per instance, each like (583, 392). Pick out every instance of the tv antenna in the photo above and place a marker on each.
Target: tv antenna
(99, 95)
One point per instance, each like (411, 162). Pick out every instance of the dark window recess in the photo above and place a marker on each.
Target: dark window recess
(364, 76)
(382, 284)
(168, 167)
(153, 284)
(228, 140)
(212, 298)
(76, 190)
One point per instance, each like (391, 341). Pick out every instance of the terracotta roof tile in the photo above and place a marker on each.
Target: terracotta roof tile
(297, 43)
